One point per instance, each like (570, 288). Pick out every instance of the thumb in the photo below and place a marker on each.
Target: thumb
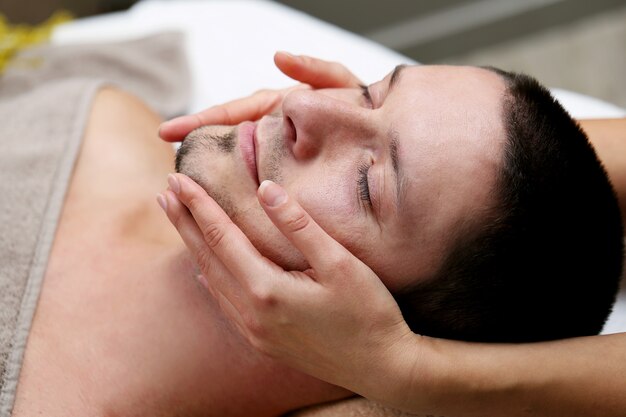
(321, 251)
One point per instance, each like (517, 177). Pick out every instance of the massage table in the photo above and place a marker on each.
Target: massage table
(230, 44)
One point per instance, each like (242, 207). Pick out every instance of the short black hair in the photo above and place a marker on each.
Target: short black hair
(545, 259)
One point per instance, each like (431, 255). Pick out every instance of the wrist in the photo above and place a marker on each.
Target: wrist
(473, 379)
(402, 374)
(432, 375)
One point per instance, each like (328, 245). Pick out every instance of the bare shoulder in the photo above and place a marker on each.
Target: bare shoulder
(119, 115)
(120, 168)
(121, 149)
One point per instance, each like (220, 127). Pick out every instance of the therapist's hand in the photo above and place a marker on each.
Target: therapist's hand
(335, 321)
(310, 72)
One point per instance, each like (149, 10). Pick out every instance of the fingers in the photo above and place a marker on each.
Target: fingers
(315, 72)
(312, 71)
(182, 220)
(176, 129)
(220, 234)
(325, 255)
(231, 113)
(216, 278)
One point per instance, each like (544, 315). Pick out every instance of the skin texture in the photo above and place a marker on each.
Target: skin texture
(310, 149)
(97, 299)
(122, 326)
(308, 71)
(430, 376)
(305, 323)
(445, 122)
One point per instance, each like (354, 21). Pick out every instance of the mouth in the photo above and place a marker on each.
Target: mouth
(247, 146)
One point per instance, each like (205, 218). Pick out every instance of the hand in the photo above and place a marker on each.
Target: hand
(311, 72)
(335, 321)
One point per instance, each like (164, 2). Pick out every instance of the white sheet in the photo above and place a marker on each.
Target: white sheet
(230, 44)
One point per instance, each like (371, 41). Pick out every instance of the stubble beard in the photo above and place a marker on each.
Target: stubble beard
(191, 160)
(188, 161)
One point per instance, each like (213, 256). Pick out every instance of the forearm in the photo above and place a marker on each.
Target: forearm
(573, 377)
(608, 137)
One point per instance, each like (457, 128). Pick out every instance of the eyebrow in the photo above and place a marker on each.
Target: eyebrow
(394, 143)
(395, 75)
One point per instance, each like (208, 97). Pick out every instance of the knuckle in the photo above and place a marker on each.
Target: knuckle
(213, 234)
(306, 60)
(263, 297)
(340, 262)
(228, 117)
(220, 113)
(205, 260)
(298, 222)
(194, 202)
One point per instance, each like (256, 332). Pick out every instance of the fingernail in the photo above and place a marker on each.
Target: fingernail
(162, 201)
(272, 193)
(289, 54)
(173, 182)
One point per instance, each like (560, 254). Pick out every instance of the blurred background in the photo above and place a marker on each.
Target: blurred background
(579, 45)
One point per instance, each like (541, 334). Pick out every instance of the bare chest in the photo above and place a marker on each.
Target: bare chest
(108, 224)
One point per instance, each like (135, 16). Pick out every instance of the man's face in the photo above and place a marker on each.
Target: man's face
(390, 174)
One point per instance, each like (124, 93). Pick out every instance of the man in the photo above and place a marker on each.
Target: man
(458, 186)
(140, 341)
(303, 319)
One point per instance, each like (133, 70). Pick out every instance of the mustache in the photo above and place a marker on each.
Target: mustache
(188, 158)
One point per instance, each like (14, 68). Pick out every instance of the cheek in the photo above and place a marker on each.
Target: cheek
(325, 189)
(340, 219)
(265, 237)
(329, 199)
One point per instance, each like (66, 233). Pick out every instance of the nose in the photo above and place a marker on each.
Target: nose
(321, 122)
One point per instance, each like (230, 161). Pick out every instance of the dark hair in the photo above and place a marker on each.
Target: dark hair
(544, 261)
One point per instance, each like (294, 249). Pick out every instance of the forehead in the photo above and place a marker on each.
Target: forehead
(450, 91)
(449, 124)
(448, 107)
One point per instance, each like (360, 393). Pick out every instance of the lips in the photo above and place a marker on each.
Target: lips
(248, 149)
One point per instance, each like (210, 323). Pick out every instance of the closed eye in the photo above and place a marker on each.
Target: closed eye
(363, 183)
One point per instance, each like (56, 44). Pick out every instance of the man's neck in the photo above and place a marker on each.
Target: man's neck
(151, 341)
